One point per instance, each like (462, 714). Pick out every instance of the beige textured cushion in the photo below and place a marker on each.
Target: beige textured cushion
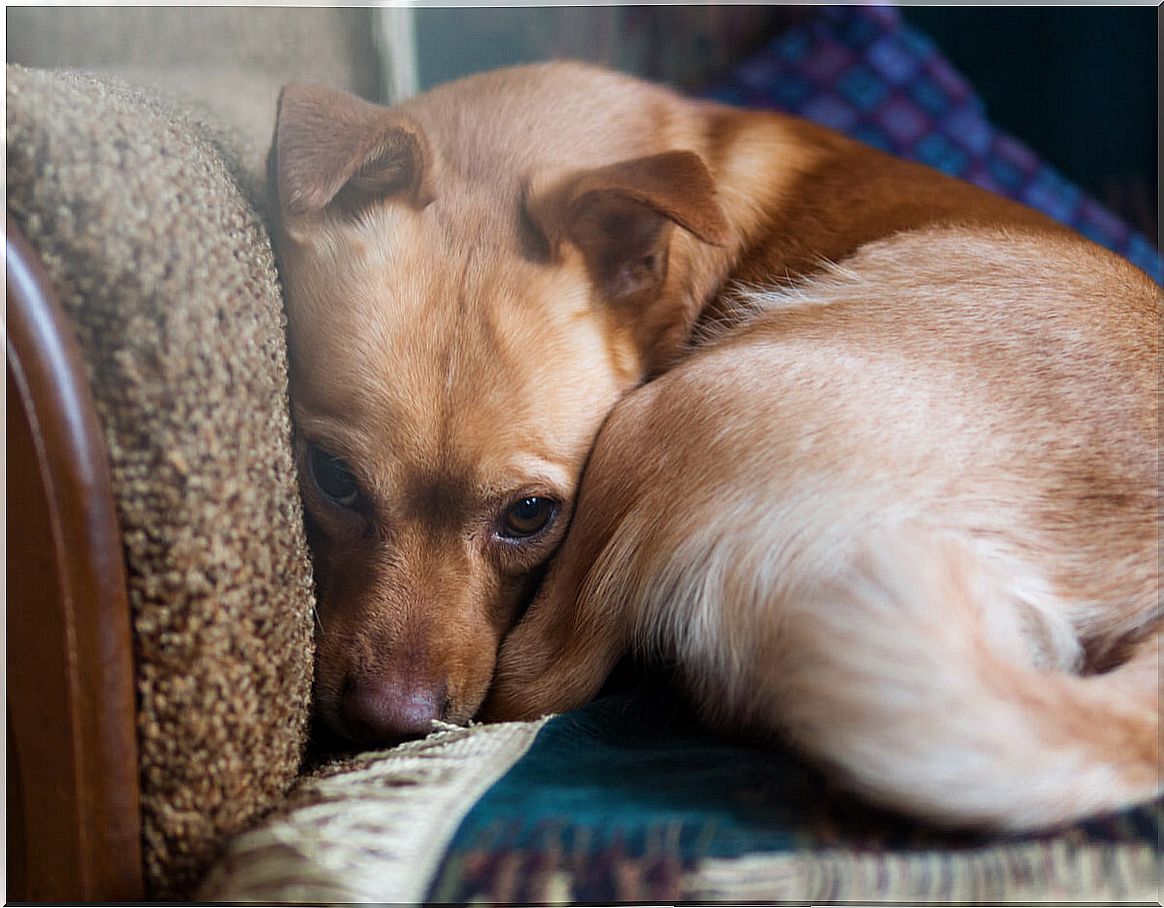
(168, 274)
(229, 60)
(372, 829)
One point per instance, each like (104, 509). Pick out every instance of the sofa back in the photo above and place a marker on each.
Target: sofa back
(228, 60)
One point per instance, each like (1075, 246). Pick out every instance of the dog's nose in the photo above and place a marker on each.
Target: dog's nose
(378, 710)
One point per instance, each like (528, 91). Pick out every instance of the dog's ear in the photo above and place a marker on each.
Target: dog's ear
(333, 149)
(620, 217)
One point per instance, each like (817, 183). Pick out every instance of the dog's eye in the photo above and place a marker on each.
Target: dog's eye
(528, 516)
(333, 478)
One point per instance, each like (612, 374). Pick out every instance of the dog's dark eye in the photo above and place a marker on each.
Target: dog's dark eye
(333, 478)
(528, 516)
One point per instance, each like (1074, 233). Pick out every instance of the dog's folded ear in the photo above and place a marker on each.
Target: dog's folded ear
(334, 150)
(620, 216)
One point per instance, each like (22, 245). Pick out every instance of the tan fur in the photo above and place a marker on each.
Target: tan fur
(911, 510)
(901, 509)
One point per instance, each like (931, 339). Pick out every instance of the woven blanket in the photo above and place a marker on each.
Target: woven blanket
(863, 71)
(627, 799)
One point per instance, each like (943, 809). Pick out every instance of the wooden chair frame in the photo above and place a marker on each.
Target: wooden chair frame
(74, 825)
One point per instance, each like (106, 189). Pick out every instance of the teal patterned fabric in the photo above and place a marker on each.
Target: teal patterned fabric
(624, 797)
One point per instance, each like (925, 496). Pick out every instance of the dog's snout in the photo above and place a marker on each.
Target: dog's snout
(380, 710)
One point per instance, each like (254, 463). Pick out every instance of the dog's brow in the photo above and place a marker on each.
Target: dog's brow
(338, 437)
(555, 471)
(437, 500)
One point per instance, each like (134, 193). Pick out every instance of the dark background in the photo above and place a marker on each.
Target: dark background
(1077, 84)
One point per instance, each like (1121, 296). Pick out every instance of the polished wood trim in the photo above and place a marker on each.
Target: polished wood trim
(73, 801)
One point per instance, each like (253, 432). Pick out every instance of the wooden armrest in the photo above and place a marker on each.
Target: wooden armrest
(74, 824)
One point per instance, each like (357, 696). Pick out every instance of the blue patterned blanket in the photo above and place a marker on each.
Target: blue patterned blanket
(863, 71)
(627, 800)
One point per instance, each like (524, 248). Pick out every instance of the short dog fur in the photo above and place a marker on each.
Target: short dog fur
(890, 492)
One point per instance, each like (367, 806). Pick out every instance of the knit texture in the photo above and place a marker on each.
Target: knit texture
(628, 800)
(167, 272)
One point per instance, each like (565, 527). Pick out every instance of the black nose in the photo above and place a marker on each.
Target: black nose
(381, 710)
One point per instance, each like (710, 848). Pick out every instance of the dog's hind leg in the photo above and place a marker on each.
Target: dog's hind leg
(557, 658)
(572, 636)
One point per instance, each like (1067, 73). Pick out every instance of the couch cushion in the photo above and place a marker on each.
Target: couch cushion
(168, 274)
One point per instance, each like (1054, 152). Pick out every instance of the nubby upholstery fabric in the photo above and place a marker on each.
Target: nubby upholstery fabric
(167, 273)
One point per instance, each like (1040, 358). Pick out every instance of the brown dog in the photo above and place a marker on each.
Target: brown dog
(895, 511)
(904, 516)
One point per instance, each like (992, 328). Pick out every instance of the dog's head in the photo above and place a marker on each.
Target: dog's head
(460, 323)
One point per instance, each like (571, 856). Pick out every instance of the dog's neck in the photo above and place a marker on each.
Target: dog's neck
(756, 160)
(799, 198)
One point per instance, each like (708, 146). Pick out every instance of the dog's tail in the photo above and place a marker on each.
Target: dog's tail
(903, 674)
(900, 677)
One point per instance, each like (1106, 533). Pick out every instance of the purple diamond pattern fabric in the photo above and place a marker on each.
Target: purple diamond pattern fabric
(863, 71)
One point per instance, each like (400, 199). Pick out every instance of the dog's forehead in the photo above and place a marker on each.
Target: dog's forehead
(455, 353)
(401, 272)
(500, 368)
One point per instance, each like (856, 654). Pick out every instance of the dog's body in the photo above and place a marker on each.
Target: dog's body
(896, 511)
(893, 517)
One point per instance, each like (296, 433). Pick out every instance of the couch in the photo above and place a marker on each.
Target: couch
(160, 610)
